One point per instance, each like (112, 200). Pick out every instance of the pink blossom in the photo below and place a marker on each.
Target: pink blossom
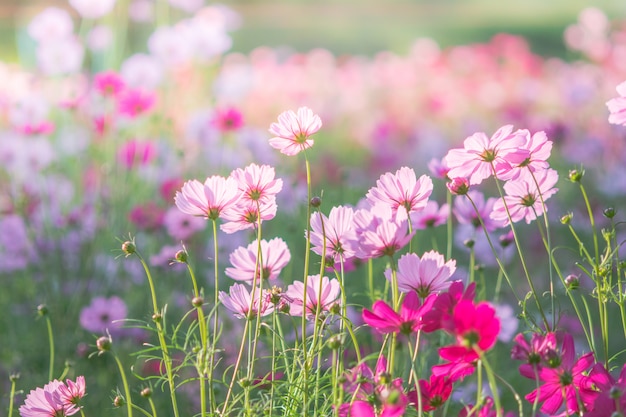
(379, 233)
(617, 106)
(274, 256)
(563, 381)
(536, 354)
(136, 153)
(142, 71)
(539, 149)
(477, 160)
(458, 186)
(60, 56)
(100, 38)
(170, 46)
(257, 183)
(208, 200)
(401, 190)
(182, 226)
(438, 168)
(320, 292)
(51, 24)
(54, 399)
(431, 216)
(292, 132)
(103, 314)
(108, 83)
(148, 216)
(410, 318)
(602, 394)
(428, 275)
(227, 119)
(335, 231)
(466, 213)
(245, 215)
(523, 199)
(239, 301)
(134, 102)
(434, 392)
(90, 9)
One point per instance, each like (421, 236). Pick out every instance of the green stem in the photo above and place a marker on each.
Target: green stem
(492, 384)
(12, 396)
(144, 412)
(203, 340)
(129, 402)
(236, 369)
(215, 319)
(51, 342)
(306, 278)
(152, 407)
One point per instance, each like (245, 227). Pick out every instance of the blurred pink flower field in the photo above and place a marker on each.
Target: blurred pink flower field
(190, 230)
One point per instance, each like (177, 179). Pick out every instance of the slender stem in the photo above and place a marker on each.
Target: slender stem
(144, 412)
(129, 402)
(492, 384)
(305, 279)
(449, 227)
(152, 407)
(203, 340)
(12, 396)
(370, 278)
(216, 300)
(51, 342)
(236, 369)
(413, 374)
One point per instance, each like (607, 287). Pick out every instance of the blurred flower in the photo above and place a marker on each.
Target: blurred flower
(434, 392)
(51, 24)
(15, 246)
(425, 276)
(136, 153)
(274, 256)
(508, 322)
(182, 226)
(142, 71)
(103, 314)
(134, 102)
(431, 216)
(189, 6)
(108, 83)
(292, 132)
(60, 56)
(617, 106)
(100, 38)
(227, 119)
(90, 9)
(465, 212)
(141, 10)
(401, 190)
(319, 291)
(170, 46)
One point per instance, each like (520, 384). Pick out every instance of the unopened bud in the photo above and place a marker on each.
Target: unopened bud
(316, 201)
(458, 186)
(567, 218)
(572, 281)
(576, 175)
(181, 256)
(14, 377)
(146, 392)
(609, 212)
(245, 382)
(119, 401)
(335, 342)
(469, 243)
(42, 310)
(129, 248)
(197, 301)
(156, 317)
(104, 343)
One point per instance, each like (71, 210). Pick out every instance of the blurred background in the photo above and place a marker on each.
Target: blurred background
(367, 26)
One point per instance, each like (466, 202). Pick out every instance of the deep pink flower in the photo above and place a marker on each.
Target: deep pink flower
(55, 399)
(257, 183)
(431, 216)
(103, 314)
(475, 328)
(390, 400)
(275, 256)
(136, 153)
(401, 190)
(133, 102)
(148, 216)
(208, 200)
(523, 198)
(410, 319)
(480, 154)
(426, 275)
(238, 300)
(108, 83)
(227, 119)
(245, 215)
(617, 106)
(322, 292)
(458, 185)
(562, 382)
(434, 392)
(486, 410)
(337, 230)
(602, 394)
(379, 232)
(441, 315)
(292, 132)
(539, 149)
(536, 354)
(361, 381)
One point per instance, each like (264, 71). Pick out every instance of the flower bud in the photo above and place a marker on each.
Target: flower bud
(316, 202)
(197, 301)
(335, 342)
(245, 382)
(506, 239)
(469, 243)
(609, 212)
(42, 310)
(146, 392)
(458, 186)
(572, 281)
(567, 218)
(119, 401)
(129, 248)
(14, 377)
(181, 256)
(104, 343)
(575, 175)
(156, 317)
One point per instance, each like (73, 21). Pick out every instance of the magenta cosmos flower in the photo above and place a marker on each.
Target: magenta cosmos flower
(410, 318)
(275, 256)
(257, 183)
(109, 83)
(434, 393)
(133, 102)
(292, 132)
(617, 106)
(602, 394)
(336, 231)
(401, 190)
(428, 275)
(563, 381)
(524, 199)
(54, 399)
(480, 154)
(322, 292)
(239, 301)
(208, 200)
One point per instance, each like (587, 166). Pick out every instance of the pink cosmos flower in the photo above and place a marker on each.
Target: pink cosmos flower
(103, 314)
(182, 226)
(523, 198)
(337, 230)
(208, 200)
(465, 212)
(275, 256)
(319, 291)
(536, 354)
(477, 160)
(410, 319)
(136, 153)
(292, 132)
(227, 120)
(54, 399)
(89, 9)
(361, 381)
(428, 275)
(563, 381)
(108, 83)
(431, 216)
(602, 394)
(458, 185)
(379, 232)
(539, 149)
(245, 215)
(238, 300)
(486, 410)
(401, 190)
(134, 102)
(438, 168)
(257, 183)
(617, 106)
(434, 392)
